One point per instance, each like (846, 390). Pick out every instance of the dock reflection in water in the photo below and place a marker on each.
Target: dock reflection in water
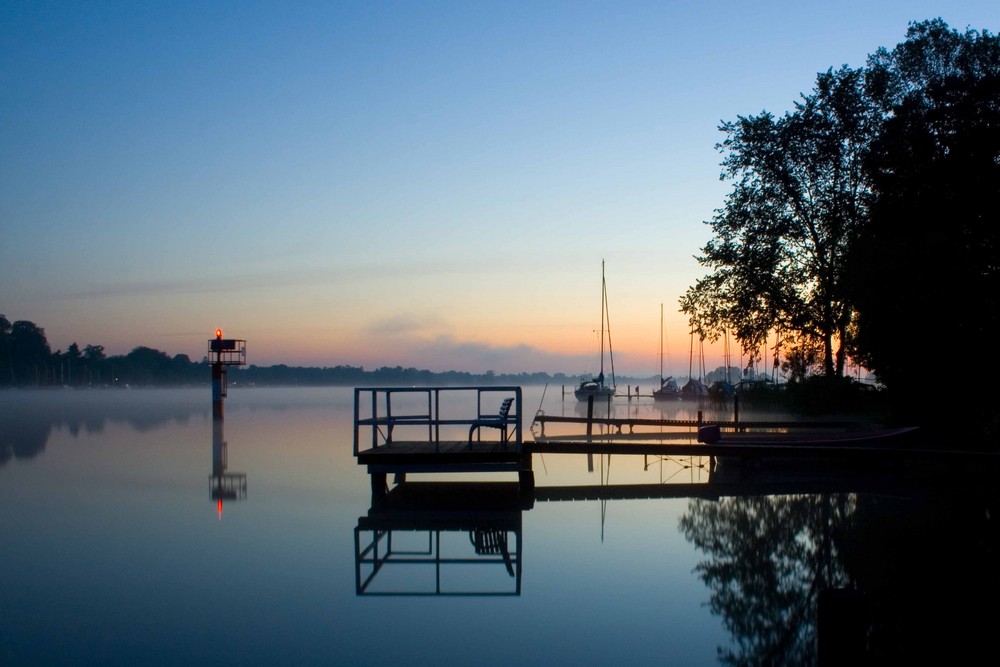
(441, 538)
(815, 562)
(111, 555)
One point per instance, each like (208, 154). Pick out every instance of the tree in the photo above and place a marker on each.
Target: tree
(72, 357)
(868, 204)
(926, 271)
(781, 239)
(6, 360)
(145, 365)
(30, 352)
(94, 353)
(93, 363)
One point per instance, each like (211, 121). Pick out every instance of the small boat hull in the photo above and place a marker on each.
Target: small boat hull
(668, 391)
(593, 389)
(693, 390)
(666, 395)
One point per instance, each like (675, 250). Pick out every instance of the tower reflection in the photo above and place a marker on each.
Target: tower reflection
(441, 538)
(223, 485)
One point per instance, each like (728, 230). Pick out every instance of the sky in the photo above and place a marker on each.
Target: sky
(423, 184)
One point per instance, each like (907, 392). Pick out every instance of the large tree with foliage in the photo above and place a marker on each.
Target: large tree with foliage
(30, 352)
(925, 276)
(780, 241)
(913, 126)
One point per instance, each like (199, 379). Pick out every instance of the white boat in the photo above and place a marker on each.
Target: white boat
(598, 388)
(668, 391)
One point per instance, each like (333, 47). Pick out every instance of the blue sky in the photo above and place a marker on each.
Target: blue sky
(430, 184)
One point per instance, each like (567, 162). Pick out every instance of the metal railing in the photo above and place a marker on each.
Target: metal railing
(432, 414)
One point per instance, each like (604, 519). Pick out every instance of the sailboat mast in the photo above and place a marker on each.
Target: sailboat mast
(607, 318)
(661, 344)
(691, 357)
(604, 296)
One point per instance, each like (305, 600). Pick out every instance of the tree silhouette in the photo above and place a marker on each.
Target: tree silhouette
(6, 352)
(926, 270)
(861, 216)
(781, 239)
(30, 352)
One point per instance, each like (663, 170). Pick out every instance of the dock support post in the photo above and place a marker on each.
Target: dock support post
(590, 430)
(590, 416)
(526, 484)
(526, 474)
(736, 412)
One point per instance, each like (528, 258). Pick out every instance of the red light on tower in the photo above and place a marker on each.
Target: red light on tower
(218, 334)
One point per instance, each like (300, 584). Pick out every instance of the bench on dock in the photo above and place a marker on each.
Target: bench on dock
(499, 420)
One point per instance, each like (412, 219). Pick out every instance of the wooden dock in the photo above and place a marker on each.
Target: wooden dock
(409, 430)
(401, 430)
(446, 456)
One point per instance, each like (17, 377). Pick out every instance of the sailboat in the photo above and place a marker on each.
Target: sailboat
(723, 389)
(695, 389)
(597, 387)
(668, 391)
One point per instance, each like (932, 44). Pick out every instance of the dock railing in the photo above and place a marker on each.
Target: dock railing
(432, 415)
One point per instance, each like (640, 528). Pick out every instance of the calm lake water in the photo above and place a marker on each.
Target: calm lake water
(116, 552)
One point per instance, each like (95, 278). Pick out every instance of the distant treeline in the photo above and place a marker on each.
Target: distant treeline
(385, 376)
(26, 360)
(392, 376)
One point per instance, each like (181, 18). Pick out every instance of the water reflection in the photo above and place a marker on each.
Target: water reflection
(21, 438)
(222, 484)
(441, 538)
(769, 559)
(108, 540)
(804, 565)
(30, 416)
(850, 578)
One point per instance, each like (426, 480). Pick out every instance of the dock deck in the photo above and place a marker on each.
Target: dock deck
(403, 455)
(404, 430)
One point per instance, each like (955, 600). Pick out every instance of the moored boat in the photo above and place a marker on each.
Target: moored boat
(598, 387)
(721, 390)
(694, 389)
(668, 391)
